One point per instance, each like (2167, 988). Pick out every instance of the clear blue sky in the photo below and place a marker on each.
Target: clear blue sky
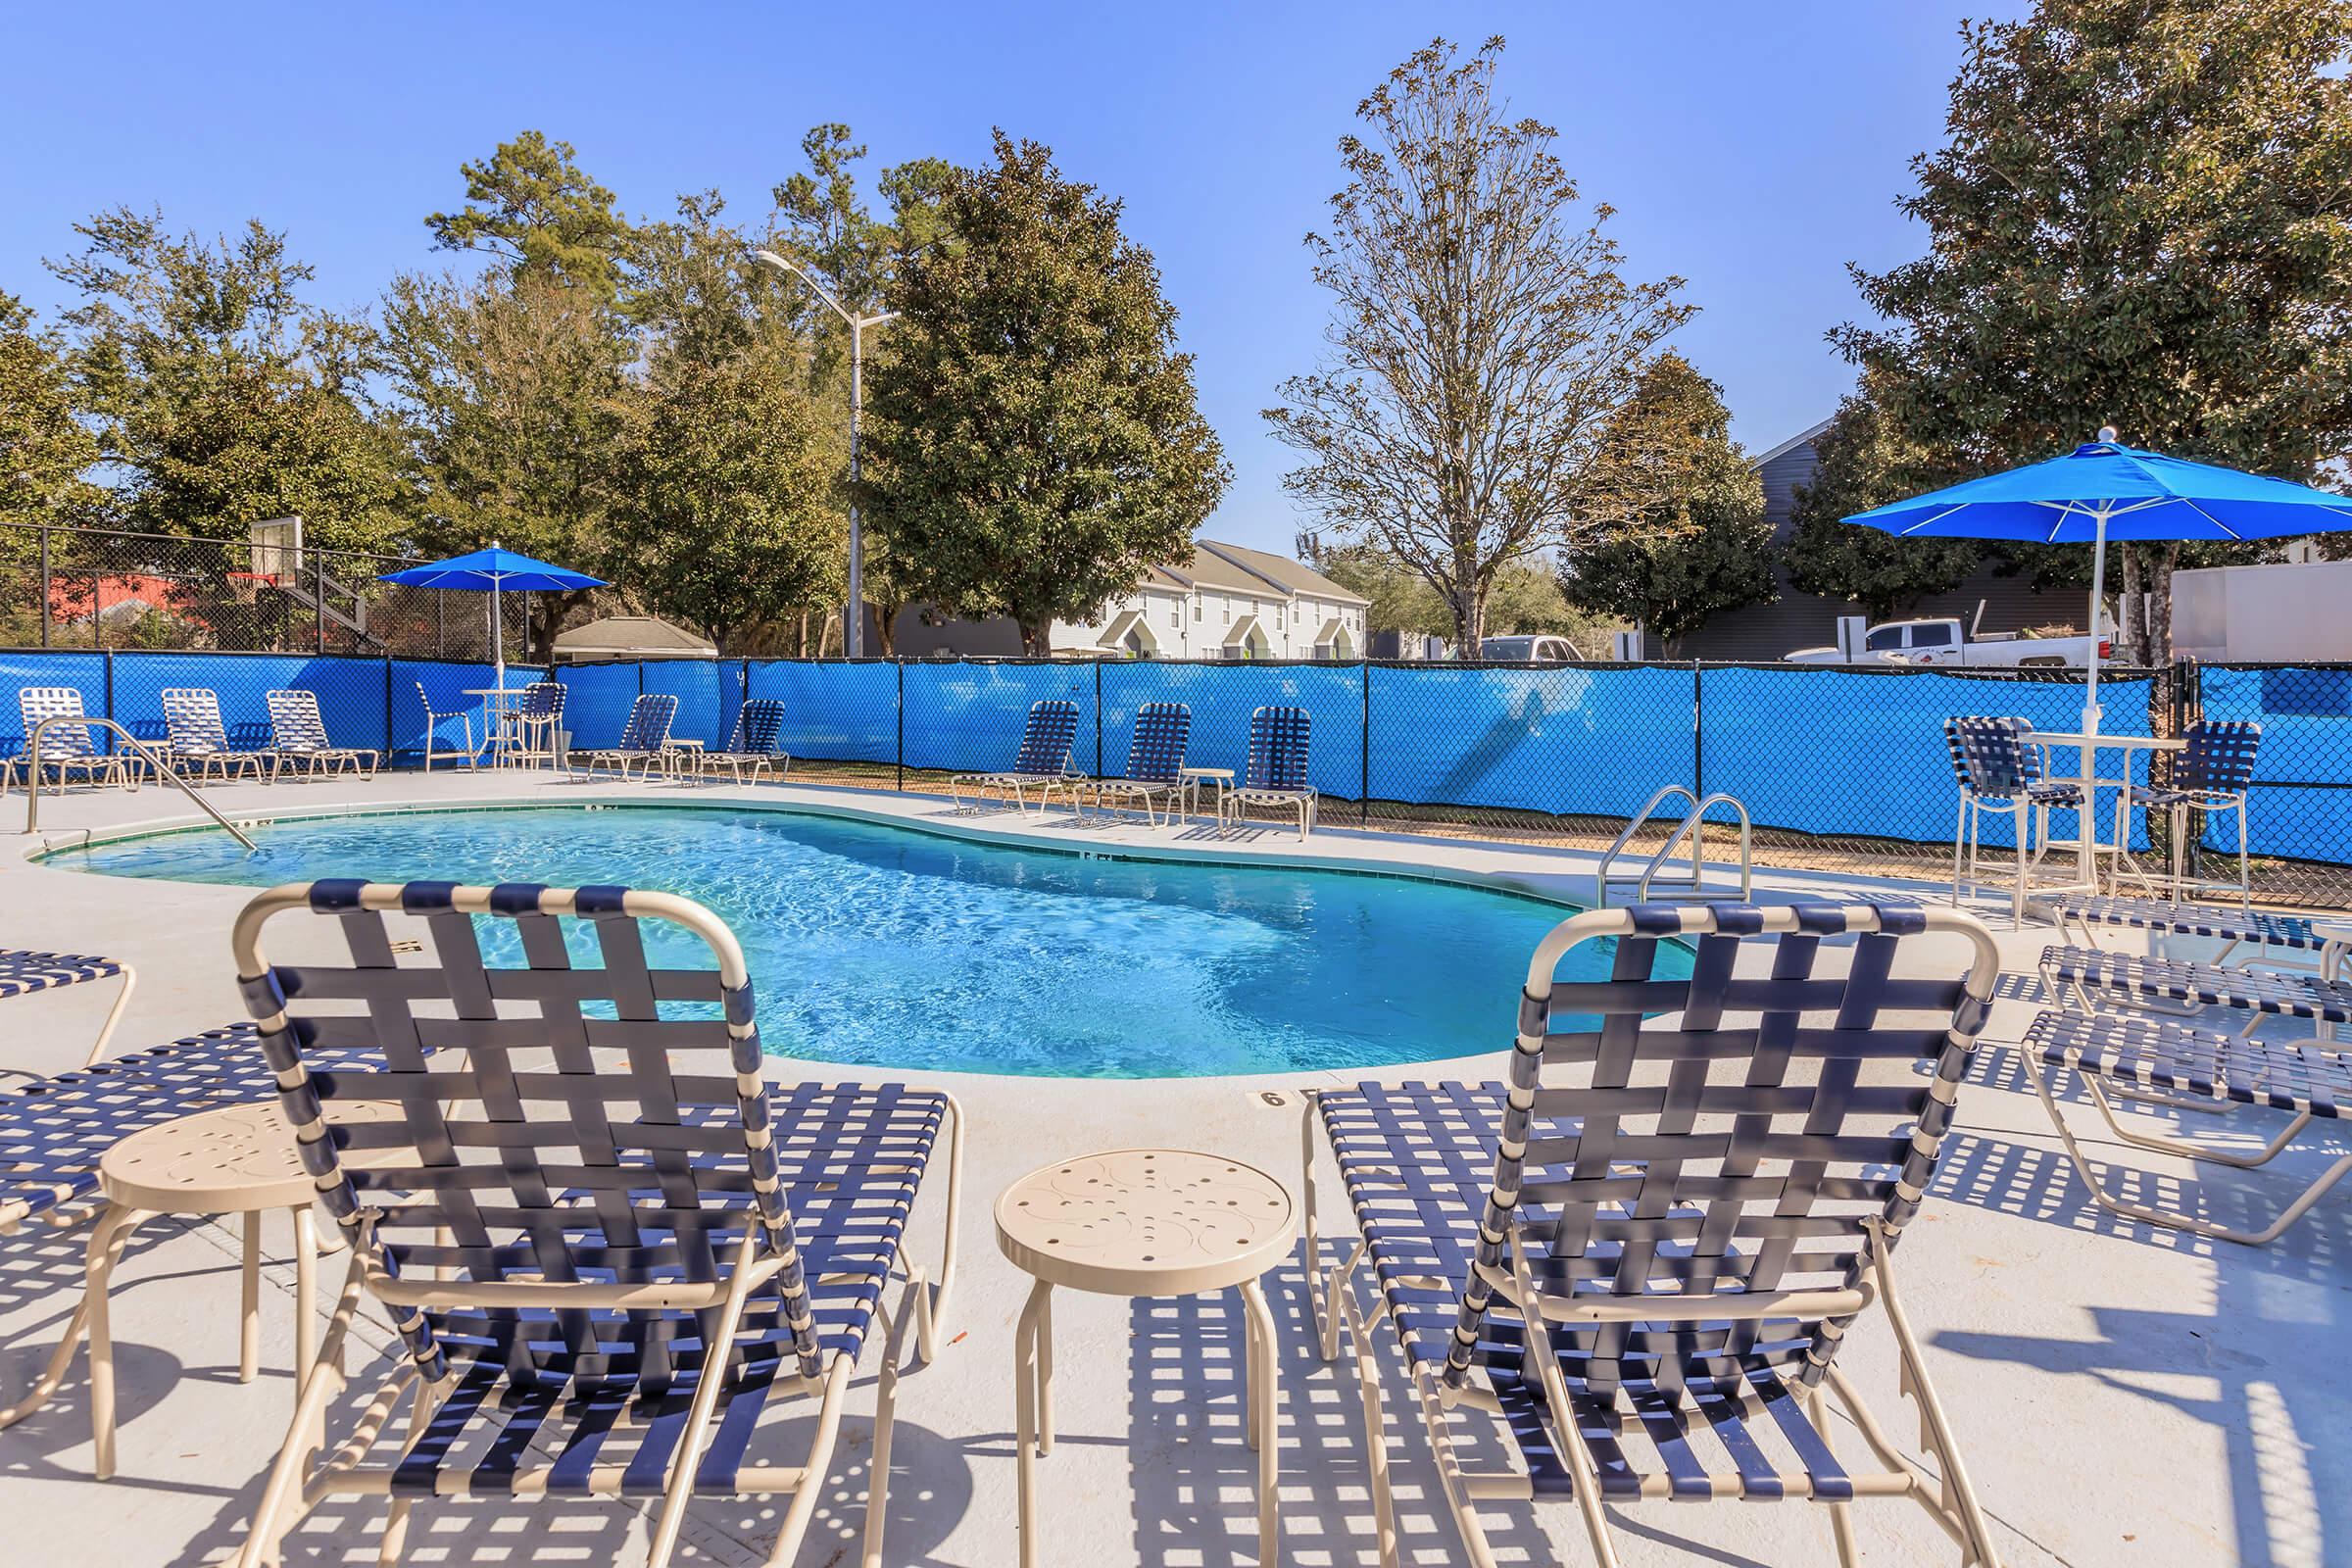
(1753, 149)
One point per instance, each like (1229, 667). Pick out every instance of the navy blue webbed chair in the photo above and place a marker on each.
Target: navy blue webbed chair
(609, 1250)
(1641, 1256)
(1043, 763)
(1155, 776)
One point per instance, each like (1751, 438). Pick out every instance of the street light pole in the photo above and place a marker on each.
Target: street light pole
(854, 615)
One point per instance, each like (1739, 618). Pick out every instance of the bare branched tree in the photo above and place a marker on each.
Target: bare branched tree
(1482, 334)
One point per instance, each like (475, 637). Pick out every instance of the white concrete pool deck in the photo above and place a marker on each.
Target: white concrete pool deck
(2125, 1395)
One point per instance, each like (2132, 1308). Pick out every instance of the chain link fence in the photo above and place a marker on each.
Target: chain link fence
(79, 588)
(1840, 770)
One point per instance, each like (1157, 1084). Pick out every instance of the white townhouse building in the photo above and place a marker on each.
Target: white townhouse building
(1225, 602)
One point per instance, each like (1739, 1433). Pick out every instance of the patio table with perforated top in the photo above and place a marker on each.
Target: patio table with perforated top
(1146, 1222)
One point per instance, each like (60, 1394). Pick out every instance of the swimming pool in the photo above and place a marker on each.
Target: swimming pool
(887, 946)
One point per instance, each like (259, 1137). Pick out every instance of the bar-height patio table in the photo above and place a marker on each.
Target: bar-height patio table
(2085, 844)
(500, 704)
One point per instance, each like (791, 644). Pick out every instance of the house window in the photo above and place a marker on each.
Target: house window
(1196, 610)
(1175, 616)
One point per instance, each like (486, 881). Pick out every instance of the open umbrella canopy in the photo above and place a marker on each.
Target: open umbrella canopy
(2105, 490)
(493, 571)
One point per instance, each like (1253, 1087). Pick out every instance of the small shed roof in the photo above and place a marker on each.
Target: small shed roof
(631, 637)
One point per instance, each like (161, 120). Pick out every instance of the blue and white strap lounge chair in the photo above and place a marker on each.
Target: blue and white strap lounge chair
(1695, 1203)
(1276, 774)
(2211, 772)
(472, 756)
(1043, 763)
(1999, 770)
(1155, 776)
(644, 740)
(2131, 980)
(53, 1132)
(2189, 1069)
(196, 741)
(616, 1249)
(66, 750)
(298, 739)
(756, 746)
(22, 974)
(2274, 940)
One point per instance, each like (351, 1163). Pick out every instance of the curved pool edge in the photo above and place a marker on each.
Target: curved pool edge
(1569, 890)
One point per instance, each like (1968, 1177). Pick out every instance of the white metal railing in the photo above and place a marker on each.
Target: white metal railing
(1693, 827)
(163, 770)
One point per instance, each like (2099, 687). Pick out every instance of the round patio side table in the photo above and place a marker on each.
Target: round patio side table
(1143, 1222)
(240, 1160)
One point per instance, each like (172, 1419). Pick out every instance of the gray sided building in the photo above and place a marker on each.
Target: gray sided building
(1794, 619)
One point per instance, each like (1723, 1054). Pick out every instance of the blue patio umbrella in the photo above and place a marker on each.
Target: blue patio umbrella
(2103, 490)
(493, 572)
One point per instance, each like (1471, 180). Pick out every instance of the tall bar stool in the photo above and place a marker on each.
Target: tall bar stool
(2211, 772)
(1999, 770)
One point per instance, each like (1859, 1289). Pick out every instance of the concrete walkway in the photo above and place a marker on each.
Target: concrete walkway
(2126, 1396)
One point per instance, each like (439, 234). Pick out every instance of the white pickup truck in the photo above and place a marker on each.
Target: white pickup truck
(1940, 640)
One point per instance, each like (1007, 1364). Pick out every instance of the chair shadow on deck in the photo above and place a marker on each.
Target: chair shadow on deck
(1194, 1478)
(930, 1491)
(2258, 1356)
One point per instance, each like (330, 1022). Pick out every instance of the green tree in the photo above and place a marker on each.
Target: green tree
(1483, 327)
(223, 397)
(510, 392)
(1692, 542)
(45, 449)
(825, 224)
(532, 204)
(1034, 444)
(1864, 462)
(2136, 221)
(724, 475)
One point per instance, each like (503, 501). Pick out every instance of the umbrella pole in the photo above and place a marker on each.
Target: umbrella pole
(2098, 594)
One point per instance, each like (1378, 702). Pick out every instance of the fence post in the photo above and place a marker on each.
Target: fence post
(319, 596)
(387, 710)
(1363, 786)
(1098, 718)
(44, 585)
(1699, 739)
(108, 659)
(898, 704)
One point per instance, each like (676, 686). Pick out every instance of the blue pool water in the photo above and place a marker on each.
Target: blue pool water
(879, 945)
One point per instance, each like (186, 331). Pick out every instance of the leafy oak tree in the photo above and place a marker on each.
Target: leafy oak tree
(1863, 462)
(1033, 442)
(2138, 219)
(1693, 541)
(223, 397)
(1482, 331)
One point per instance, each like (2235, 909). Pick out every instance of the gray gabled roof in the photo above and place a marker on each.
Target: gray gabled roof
(1282, 572)
(1794, 442)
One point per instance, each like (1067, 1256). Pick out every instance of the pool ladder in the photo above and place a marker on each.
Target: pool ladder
(1657, 881)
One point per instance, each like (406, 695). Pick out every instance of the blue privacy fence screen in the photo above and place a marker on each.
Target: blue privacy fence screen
(1829, 753)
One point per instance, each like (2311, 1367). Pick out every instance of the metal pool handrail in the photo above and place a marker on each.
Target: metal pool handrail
(163, 769)
(1693, 827)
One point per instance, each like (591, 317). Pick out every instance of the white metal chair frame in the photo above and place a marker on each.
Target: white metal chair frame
(472, 756)
(1503, 1281)
(306, 1471)
(196, 735)
(66, 754)
(1973, 743)
(299, 745)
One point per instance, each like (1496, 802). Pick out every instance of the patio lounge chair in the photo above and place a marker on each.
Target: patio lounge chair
(68, 751)
(1999, 770)
(602, 1276)
(472, 756)
(1043, 763)
(1154, 774)
(1276, 774)
(2081, 915)
(756, 746)
(53, 1132)
(2211, 773)
(196, 740)
(644, 738)
(22, 974)
(2189, 1069)
(2170, 983)
(1698, 1218)
(298, 739)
